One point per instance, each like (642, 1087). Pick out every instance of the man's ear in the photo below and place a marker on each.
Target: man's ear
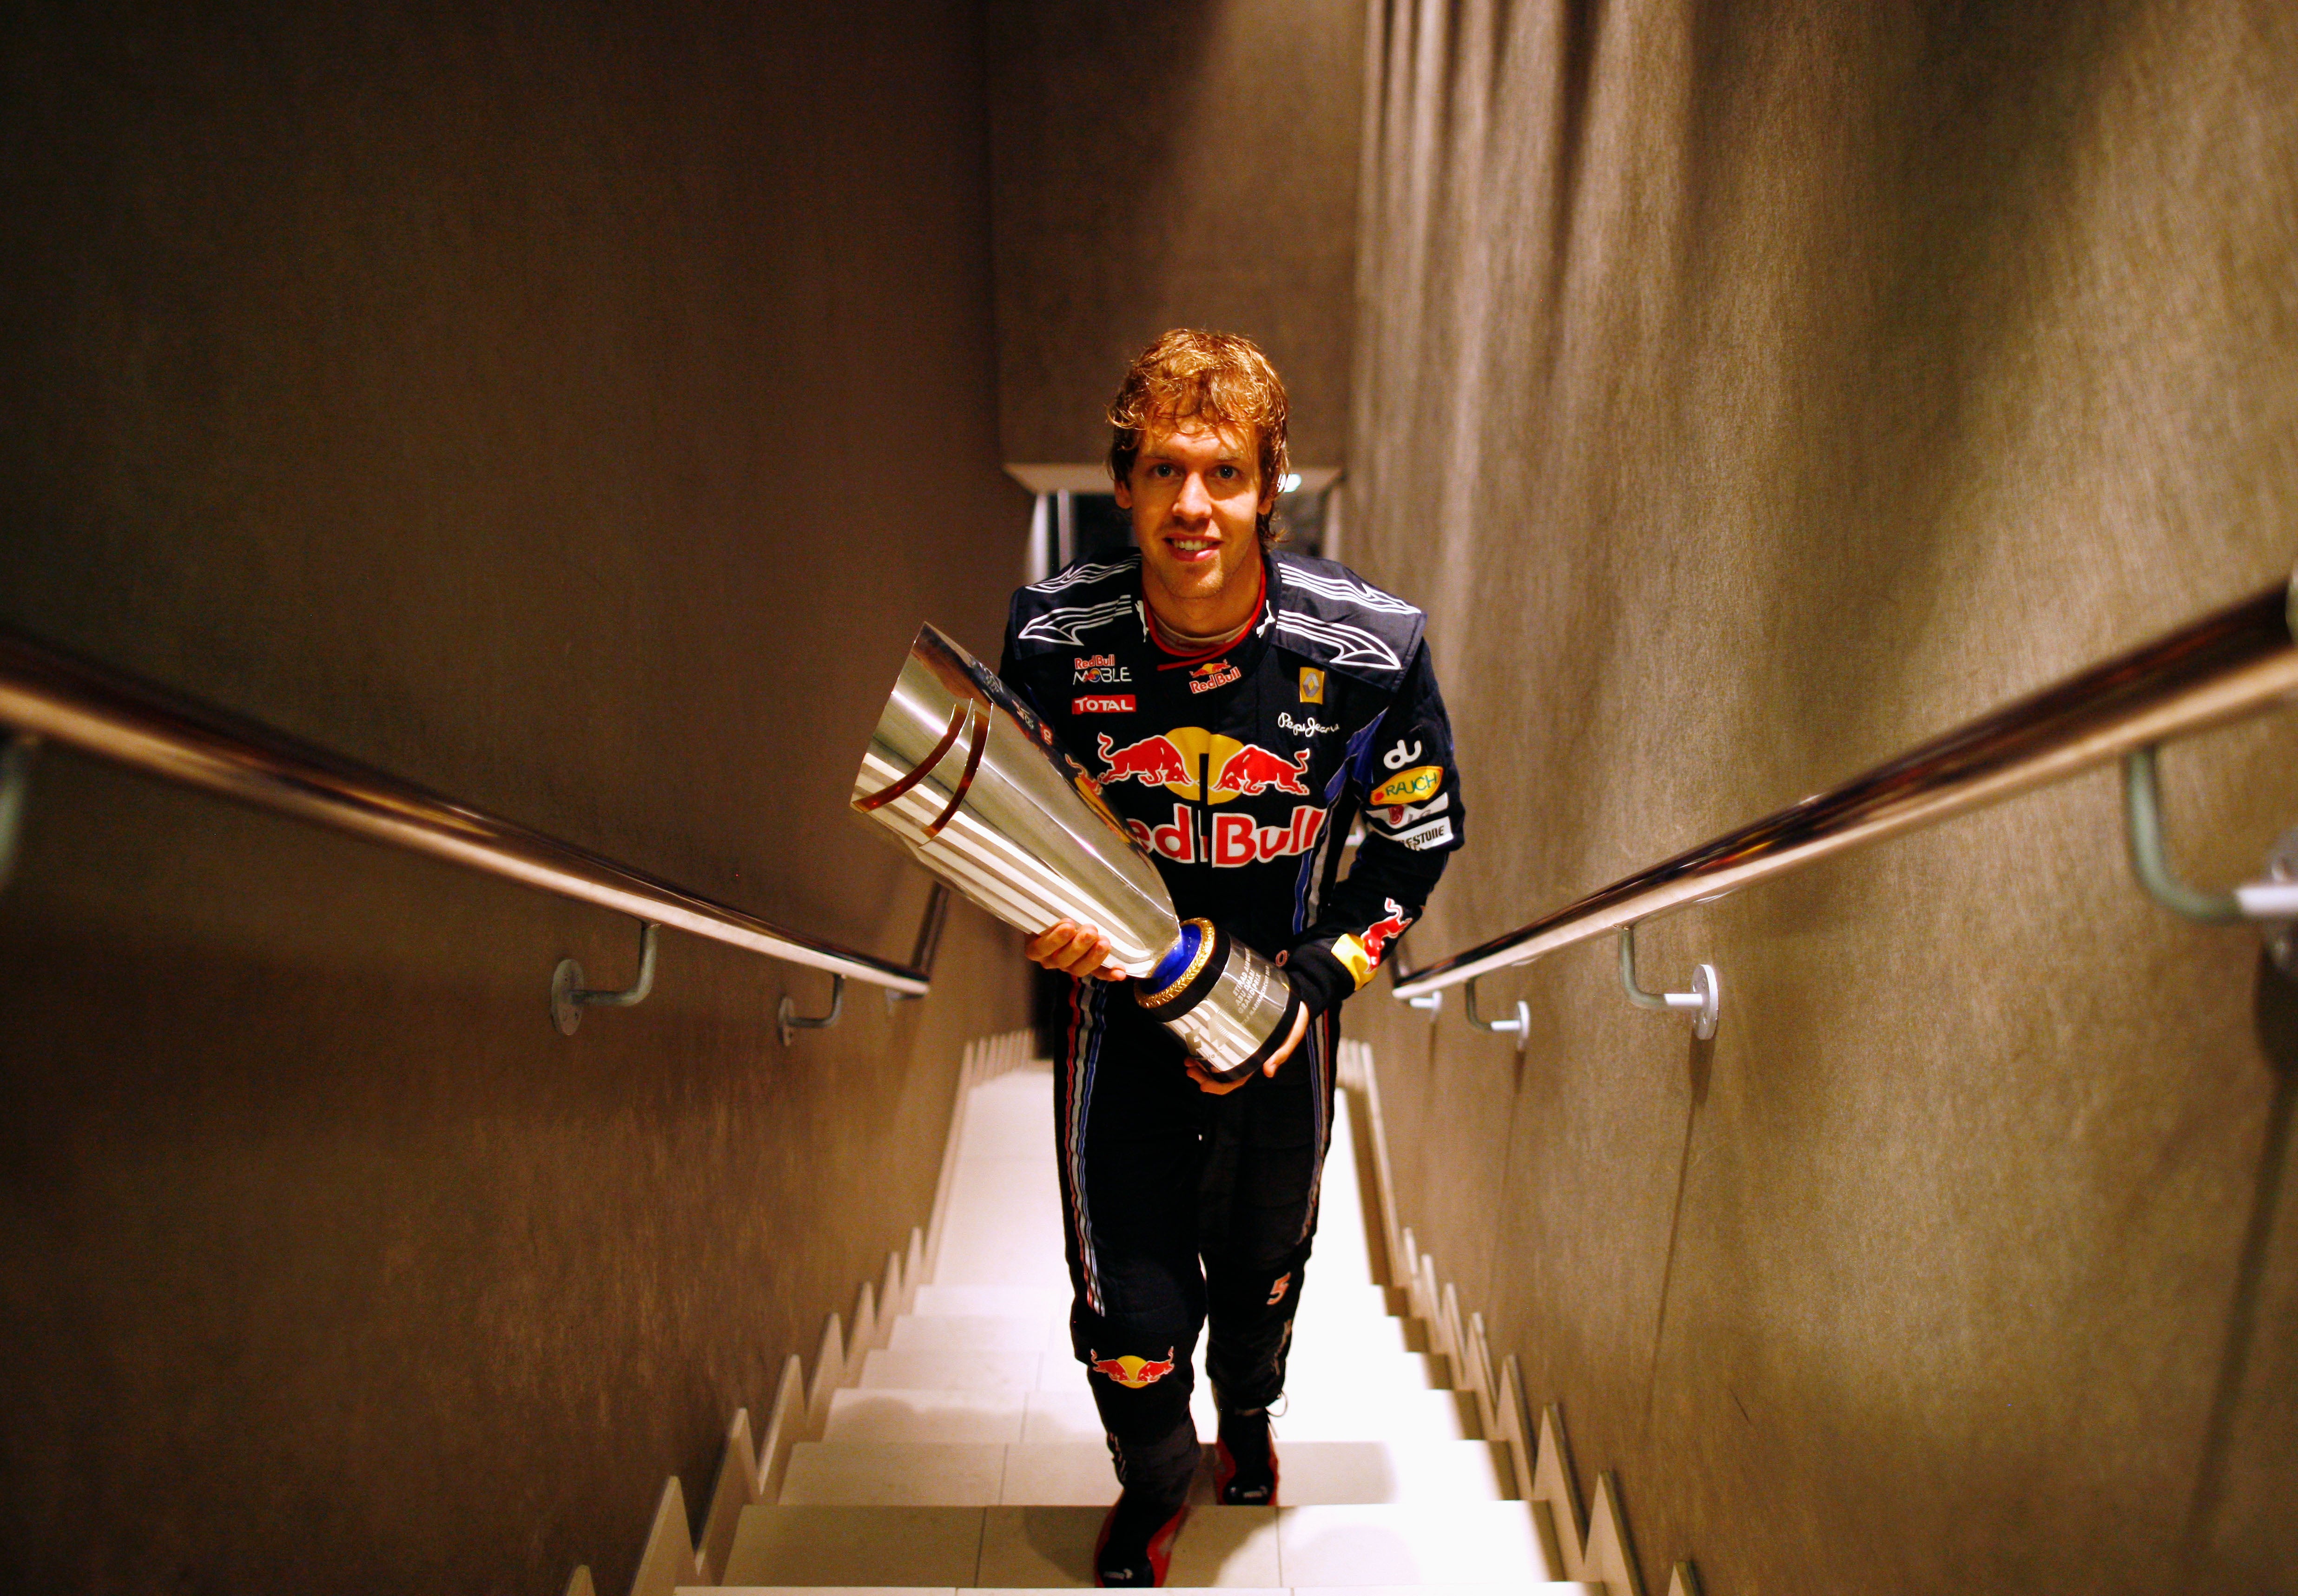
(1124, 491)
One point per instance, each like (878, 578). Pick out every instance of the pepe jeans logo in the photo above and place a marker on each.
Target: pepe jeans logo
(1307, 726)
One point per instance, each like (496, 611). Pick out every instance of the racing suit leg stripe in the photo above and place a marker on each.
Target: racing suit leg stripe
(1082, 1053)
(1323, 1032)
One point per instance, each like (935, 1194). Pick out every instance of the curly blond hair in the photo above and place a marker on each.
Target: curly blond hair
(1217, 377)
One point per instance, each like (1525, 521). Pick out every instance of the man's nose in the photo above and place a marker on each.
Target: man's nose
(1194, 501)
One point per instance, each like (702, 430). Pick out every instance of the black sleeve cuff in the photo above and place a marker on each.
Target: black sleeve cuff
(1321, 981)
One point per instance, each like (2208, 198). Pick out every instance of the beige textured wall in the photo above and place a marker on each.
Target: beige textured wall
(1750, 393)
(576, 413)
(1190, 164)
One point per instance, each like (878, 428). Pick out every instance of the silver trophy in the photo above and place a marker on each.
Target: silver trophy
(974, 784)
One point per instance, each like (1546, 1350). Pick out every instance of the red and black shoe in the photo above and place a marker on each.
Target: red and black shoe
(1245, 1462)
(1136, 1540)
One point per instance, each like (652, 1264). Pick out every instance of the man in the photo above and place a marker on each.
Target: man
(1241, 709)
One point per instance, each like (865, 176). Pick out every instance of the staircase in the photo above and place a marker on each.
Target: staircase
(952, 1444)
(966, 1453)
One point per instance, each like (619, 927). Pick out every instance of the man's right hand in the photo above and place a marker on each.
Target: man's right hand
(1073, 949)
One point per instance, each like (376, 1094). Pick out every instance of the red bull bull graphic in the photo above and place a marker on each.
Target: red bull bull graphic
(1133, 1373)
(1361, 951)
(1377, 935)
(1252, 770)
(1179, 758)
(1154, 762)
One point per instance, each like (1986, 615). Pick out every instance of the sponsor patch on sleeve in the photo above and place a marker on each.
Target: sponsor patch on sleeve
(1436, 833)
(1414, 786)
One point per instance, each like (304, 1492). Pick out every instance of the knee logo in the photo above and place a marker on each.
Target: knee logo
(1133, 1372)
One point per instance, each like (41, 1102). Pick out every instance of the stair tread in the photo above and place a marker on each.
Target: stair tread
(890, 1414)
(1039, 1546)
(982, 1474)
(1311, 1373)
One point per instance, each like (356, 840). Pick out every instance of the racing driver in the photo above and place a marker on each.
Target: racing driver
(1243, 709)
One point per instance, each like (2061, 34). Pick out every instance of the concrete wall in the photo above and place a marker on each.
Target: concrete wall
(1750, 393)
(1192, 164)
(575, 412)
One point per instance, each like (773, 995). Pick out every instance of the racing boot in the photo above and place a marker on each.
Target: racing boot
(1245, 1465)
(1137, 1539)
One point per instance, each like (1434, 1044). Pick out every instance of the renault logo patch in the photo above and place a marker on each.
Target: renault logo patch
(1312, 686)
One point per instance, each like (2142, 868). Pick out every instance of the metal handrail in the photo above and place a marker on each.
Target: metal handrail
(2226, 665)
(52, 695)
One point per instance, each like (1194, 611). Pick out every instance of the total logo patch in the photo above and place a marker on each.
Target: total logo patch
(1212, 673)
(1098, 670)
(1106, 703)
(1178, 760)
(1133, 1373)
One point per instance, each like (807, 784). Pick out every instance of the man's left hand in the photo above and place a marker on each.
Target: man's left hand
(1206, 1083)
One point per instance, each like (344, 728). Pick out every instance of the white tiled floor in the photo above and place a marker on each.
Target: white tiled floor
(966, 1454)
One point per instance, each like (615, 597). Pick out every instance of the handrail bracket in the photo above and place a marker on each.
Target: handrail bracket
(15, 793)
(569, 996)
(1520, 1028)
(1704, 1003)
(2271, 902)
(787, 1019)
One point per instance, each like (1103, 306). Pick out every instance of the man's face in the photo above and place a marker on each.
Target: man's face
(1195, 492)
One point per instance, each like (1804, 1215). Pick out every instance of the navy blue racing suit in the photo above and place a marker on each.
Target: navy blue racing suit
(1242, 771)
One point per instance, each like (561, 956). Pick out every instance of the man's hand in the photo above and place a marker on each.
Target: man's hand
(1073, 949)
(1206, 1083)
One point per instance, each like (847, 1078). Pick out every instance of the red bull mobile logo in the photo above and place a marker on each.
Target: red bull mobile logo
(1133, 1373)
(1174, 760)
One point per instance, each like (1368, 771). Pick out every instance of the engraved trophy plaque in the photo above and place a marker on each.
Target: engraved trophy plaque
(976, 787)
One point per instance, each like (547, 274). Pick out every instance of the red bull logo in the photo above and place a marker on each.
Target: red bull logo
(1234, 839)
(1182, 757)
(1252, 770)
(1133, 1373)
(1154, 762)
(1378, 934)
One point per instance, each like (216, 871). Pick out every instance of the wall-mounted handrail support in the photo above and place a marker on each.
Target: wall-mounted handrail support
(1520, 1028)
(569, 996)
(2142, 813)
(927, 943)
(788, 1019)
(1431, 1004)
(15, 793)
(1704, 1003)
(2271, 902)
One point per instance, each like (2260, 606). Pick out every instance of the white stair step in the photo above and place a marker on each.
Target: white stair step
(1311, 1372)
(1015, 1333)
(1078, 1473)
(1482, 1543)
(1069, 1415)
(923, 1415)
(1326, 1294)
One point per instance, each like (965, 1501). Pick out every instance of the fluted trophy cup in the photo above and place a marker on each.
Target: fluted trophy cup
(974, 784)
